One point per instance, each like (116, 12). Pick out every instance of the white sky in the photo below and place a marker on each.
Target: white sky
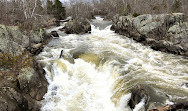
(64, 0)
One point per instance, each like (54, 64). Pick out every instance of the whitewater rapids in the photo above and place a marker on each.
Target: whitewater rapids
(99, 69)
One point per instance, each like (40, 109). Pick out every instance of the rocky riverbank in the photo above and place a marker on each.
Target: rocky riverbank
(163, 32)
(22, 80)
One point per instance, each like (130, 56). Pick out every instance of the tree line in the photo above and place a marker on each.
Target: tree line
(109, 8)
(19, 12)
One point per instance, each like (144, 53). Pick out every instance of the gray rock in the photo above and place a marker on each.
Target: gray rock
(12, 100)
(77, 26)
(31, 83)
(151, 30)
(21, 90)
(12, 38)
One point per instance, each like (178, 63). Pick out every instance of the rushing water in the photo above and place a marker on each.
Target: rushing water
(99, 69)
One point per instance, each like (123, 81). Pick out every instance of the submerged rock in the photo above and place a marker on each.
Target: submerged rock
(77, 26)
(164, 32)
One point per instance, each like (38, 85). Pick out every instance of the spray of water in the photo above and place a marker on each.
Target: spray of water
(99, 69)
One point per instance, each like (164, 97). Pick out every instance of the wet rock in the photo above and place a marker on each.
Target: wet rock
(54, 34)
(175, 107)
(168, 32)
(138, 93)
(185, 85)
(77, 26)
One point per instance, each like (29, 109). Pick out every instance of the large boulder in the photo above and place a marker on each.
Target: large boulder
(77, 26)
(22, 91)
(12, 38)
(164, 32)
(32, 83)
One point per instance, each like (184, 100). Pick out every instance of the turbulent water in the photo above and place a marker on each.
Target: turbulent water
(99, 69)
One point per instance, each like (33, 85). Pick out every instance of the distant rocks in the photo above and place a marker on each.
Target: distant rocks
(77, 26)
(164, 32)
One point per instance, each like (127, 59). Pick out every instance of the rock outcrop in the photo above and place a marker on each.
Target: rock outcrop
(164, 32)
(22, 85)
(22, 92)
(175, 107)
(12, 39)
(77, 26)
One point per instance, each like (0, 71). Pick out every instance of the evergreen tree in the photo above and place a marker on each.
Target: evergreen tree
(59, 10)
(49, 7)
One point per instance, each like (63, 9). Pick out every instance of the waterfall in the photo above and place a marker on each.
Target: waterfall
(99, 69)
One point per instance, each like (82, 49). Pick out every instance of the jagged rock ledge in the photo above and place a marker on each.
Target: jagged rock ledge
(21, 90)
(163, 32)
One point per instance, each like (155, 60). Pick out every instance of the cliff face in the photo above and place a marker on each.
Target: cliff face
(164, 32)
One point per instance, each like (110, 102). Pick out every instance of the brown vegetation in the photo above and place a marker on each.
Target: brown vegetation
(109, 8)
(16, 12)
(15, 62)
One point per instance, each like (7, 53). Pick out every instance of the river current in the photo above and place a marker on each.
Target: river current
(98, 70)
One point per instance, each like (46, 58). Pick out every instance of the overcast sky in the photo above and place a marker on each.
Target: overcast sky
(64, 0)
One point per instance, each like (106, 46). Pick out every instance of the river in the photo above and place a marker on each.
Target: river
(99, 69)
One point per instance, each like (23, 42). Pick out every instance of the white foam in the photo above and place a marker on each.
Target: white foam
(82, 86)
(86, 89)
(140, 106)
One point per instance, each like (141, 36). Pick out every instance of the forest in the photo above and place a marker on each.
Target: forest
(17, 12)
